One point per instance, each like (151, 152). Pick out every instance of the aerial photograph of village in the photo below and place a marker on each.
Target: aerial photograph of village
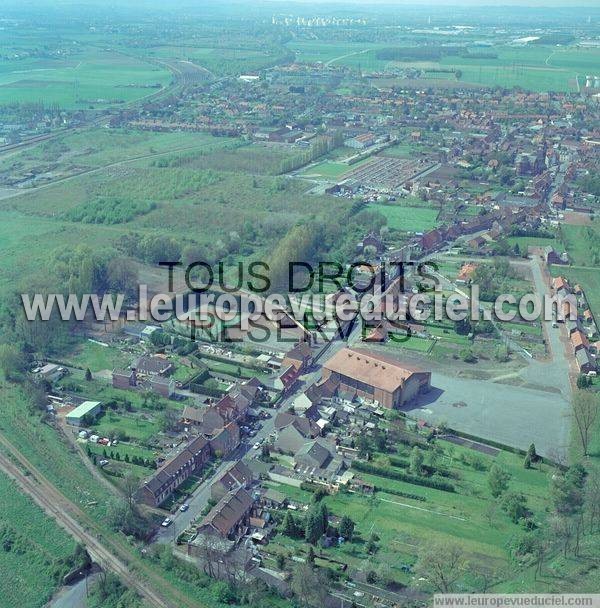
(299, 303)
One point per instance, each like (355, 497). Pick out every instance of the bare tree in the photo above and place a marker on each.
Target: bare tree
(131, 484)
(309, 586)
(585, 412)
(487, 576)
(562, 531)
(592, 500)
(540, 550)
(210, 554)
(442, 564)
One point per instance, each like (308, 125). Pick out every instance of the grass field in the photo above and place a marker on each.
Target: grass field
(193, 190)
(94, 78)
(33, 548)
(408, 219)
(531, 241)
(533, 67)
(220, 59)
(95, 357)
(326, 169)
(581, 242)
(331, 169)
(99, 147)
(134, 426)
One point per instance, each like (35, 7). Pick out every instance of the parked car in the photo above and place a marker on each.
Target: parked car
(256, 445)
(103, 462)
(167, 522)
(184, 507)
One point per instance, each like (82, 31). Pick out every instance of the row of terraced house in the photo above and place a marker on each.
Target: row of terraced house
(216, 433)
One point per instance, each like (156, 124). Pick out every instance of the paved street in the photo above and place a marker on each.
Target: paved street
(201, 496)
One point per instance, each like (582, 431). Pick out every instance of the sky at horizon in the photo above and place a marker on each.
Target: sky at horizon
(433, 4)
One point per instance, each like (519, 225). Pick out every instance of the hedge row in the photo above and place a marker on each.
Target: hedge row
(402, 494)
(206, 390)
(436, 484)
(403, 464)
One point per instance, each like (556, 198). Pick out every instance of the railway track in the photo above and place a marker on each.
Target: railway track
(53, 506)
(80, 526)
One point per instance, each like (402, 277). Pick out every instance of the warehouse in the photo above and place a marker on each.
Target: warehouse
(88, 409)
(364, 374)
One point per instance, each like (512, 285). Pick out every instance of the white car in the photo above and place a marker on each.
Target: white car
(167, 522)
(256, 445)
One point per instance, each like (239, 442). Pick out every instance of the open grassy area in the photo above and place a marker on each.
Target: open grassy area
(95, 357)
(92, 78)
(581, 242)
(531, 241)
(193, 190)
(34, 550)
(534, 67)
(327, 169)
(137, 427)
(409, 219)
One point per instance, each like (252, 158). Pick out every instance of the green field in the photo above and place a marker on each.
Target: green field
(190, 188)
(525, 242)
(407, 219)
(220, 59)
(34, 550)
(581, 243)
(326, 169)
(533, 67)
(403, 524)
(94, 78)
(96, 357)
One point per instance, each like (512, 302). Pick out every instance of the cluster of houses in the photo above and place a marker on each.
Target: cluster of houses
(316, 435)
(583, 332)
(216, 433)
(490, 226)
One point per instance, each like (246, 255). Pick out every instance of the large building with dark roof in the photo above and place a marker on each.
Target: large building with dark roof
(359, 373)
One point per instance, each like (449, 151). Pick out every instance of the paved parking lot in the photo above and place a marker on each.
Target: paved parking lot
(533, 406)
(512, 415)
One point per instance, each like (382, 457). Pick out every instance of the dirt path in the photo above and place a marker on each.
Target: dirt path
(93, 170)
(328, 63)
(403, 504)
(89, 465)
